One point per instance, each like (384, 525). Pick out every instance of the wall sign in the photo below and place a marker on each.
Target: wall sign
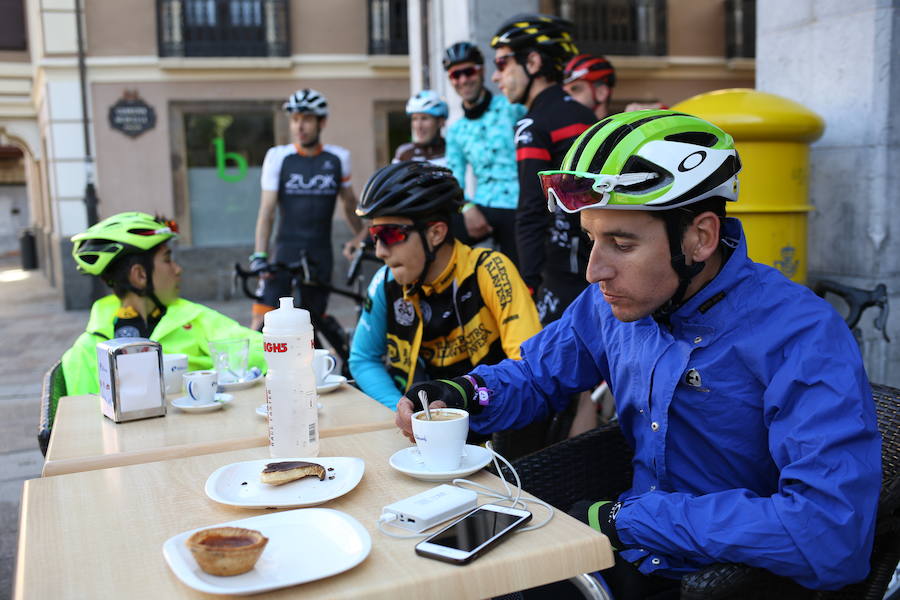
(131, 115)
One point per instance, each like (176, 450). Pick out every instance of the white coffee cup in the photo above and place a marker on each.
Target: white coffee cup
(174, 367)
(200, 386)
(441, 441)
(323, 365)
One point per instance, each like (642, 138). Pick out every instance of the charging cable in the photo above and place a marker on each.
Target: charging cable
(514, 500)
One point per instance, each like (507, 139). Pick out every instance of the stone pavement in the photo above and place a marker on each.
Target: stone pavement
(35, 331)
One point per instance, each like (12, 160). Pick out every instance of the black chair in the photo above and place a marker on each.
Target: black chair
(597, 464)
(52, 389)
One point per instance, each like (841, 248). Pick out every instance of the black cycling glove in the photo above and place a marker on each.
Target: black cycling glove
(259, 261)
(458, 392)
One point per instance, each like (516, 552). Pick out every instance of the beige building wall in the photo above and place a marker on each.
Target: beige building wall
(137, 173)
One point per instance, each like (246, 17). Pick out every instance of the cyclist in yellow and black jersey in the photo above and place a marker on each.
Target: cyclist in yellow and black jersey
(438, 307)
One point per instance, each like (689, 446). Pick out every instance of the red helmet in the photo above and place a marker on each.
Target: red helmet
(589, 68)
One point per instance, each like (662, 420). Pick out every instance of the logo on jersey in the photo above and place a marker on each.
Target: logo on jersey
(692, 378)
(317, 184)
(523, 136)
(327, 165)
(404, 313)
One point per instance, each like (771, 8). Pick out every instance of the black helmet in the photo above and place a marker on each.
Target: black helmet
(461, 52)
(411, 188)
(549, 34)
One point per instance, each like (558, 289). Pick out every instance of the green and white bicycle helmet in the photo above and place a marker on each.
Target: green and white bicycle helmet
(645, 160)
(653, 160)
(125, 233)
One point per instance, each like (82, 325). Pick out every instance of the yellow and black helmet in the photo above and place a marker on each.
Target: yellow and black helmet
(546, 33)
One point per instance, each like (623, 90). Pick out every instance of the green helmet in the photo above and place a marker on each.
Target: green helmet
(121, 234)
(645, 160)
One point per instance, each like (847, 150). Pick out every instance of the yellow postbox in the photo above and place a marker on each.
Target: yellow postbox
(772, 135)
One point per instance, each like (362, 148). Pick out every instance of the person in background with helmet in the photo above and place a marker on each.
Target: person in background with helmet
(483, 140)
(438, 307)
(302, 180)
(590, 80)
(130, 252)
(742, 393)
(427, 114)
(530, 51)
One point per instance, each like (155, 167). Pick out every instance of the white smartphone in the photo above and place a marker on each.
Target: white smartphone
(467, 538)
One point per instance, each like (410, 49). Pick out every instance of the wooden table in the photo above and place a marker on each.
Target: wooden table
(99, 534)
(83, 439)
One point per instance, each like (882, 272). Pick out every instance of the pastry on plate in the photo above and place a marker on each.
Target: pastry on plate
(279, 473)
(226, 550)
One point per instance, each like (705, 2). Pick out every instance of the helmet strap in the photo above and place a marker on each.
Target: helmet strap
(523, 62)
(685, 272)
(430, 255)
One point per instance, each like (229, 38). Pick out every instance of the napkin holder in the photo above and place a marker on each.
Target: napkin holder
(131, 379)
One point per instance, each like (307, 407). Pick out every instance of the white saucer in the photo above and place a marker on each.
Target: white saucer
(304, 545)
(409, 462)
(253, 376)
(261, 409)
(187, 405)
(331, 383)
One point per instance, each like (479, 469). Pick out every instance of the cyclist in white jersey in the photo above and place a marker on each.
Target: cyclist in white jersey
(303, 180)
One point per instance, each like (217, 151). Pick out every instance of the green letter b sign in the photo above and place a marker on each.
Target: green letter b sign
(222, 156)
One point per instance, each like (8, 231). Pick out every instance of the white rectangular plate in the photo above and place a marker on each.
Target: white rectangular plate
(238, 484)
(304, 545)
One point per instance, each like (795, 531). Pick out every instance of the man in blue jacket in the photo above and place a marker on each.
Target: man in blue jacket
(743, 394)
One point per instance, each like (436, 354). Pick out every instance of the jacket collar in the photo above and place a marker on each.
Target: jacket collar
(178, 313)
(702, 307)
(445, 279)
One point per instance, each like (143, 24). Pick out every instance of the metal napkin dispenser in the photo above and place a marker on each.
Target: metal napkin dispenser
(131, 379)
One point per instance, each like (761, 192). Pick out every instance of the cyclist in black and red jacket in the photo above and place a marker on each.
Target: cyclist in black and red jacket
(530, 53)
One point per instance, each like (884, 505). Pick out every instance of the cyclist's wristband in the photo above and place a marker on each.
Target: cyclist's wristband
(468, 388)
(255, 255)
(602, 517)
(467, 206)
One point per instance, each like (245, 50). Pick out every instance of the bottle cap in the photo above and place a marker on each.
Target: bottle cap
(287, 320)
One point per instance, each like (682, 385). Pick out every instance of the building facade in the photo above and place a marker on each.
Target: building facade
(183, 99)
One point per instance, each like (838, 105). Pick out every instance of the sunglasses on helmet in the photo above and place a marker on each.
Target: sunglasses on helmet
(390, 233)
(469, 71)
(574, 191)
(501, 61)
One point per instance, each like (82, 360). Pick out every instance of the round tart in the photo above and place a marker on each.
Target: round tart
(226, 550)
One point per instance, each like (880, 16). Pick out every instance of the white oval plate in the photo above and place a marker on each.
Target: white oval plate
(238, 484)
(304, 545)
(331, 383)
(189, 406)
(253, 377)
(409, 462)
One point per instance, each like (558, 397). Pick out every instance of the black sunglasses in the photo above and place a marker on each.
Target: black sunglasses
(390, 233)
(501, 61)
(469, 71)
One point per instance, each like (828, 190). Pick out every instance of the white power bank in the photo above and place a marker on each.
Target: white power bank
(418, 513)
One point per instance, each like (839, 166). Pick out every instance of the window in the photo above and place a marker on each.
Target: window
(624, 27)
(388, 27)
(220, 149)
(12, 25)
(740, 28)
(223, 27)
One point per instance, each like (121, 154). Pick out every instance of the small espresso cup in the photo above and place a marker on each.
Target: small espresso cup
(200, 386)
(174, 368)
(323, 365)
(442, 440)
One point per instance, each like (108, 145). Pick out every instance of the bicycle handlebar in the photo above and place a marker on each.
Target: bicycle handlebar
(301, 267)
(857, 301)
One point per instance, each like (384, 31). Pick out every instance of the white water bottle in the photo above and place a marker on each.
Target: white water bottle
(290, 382)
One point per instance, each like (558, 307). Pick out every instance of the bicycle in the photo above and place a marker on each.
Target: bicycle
(323, 324)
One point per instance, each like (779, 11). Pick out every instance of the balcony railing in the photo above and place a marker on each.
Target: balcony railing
(624, 27)
(740, 28)
(223, 27)
(388, 27)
